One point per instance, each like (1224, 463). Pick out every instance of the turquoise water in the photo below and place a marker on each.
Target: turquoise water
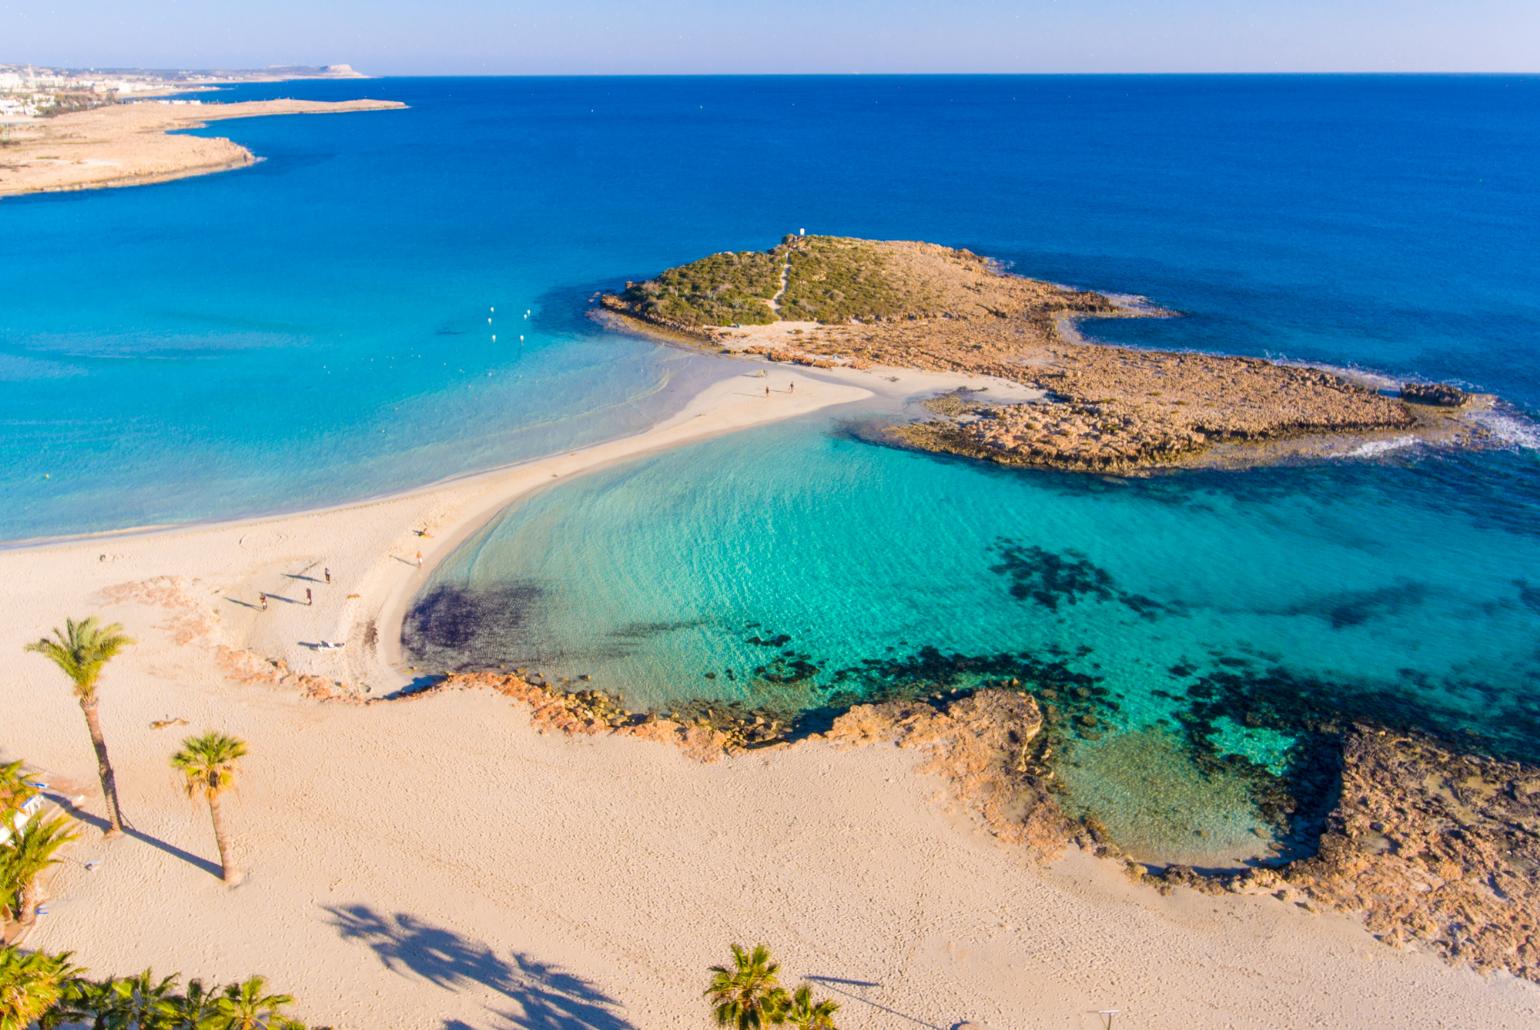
(313, 329)
(800, 568)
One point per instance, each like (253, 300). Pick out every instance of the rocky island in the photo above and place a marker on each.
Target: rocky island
(831, 301)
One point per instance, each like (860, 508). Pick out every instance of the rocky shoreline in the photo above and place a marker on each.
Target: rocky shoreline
(836, 302)
(1431, 847)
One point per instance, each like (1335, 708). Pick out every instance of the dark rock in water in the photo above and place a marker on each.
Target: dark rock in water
(1440, 395)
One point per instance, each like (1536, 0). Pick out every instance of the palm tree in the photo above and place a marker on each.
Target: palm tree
(134, 1001)
(245, 1006)
(31, 985)
(15, 791)
(804, 1013)
(208, 765)
(31, 850)
(749, 995)
(195, 1006)
(81, 650)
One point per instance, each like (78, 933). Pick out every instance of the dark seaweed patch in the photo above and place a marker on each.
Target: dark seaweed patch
(1050, 579)
(638, 631)
(1347, 608)
(1529, 594)
(1318, 712)
(458, 629)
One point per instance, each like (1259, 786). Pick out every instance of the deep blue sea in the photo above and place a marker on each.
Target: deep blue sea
(314, 329)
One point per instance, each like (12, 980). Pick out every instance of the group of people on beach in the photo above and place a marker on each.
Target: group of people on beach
(791, 387)
(326, 573)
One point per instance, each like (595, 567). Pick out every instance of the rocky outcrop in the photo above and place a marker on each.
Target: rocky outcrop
(1434, 847)
(1119, 410)
(248, 668)
(790, 357)
(703, 732)
(989, 746)
(1440, 395)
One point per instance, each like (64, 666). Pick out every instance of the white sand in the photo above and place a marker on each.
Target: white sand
(435, 863)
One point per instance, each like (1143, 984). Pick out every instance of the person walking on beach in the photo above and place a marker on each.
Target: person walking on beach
(419, 559)
(791, 387)
(262, 600)
(327, 572)
(308, 598)
(767, 389)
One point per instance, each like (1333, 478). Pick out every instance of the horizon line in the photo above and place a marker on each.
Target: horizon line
(889, 74)
(1299, 73)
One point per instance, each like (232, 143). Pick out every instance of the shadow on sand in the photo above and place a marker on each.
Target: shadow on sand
(854, 988)
(544, 996)
(212, 868)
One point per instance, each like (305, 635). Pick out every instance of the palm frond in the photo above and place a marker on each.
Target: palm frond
(208, 763)
(81, 650)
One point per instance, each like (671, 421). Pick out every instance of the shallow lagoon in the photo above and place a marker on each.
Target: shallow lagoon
(800, 568)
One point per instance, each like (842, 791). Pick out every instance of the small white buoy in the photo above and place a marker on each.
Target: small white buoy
(521, 339)
(527, 311)
(494, 337)
(492, 310)
(489, 321)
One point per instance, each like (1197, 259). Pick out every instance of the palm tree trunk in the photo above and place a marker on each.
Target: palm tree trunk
(227, 869)
(30, 899)
(103, 767)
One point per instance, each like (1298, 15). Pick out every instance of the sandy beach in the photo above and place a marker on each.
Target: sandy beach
(132, 144)
(435, 862)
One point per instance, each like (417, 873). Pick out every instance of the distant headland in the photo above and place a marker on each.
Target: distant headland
(72, 129)
(832, 301)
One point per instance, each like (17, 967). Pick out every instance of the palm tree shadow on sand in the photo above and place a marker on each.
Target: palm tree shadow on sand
(544, 996)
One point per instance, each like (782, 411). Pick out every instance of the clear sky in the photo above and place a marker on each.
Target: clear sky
(715, 36)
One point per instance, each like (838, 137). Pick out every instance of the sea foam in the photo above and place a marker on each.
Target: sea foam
(1510, 428)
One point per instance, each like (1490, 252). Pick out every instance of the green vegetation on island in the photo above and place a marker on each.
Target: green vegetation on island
(722, 289)
(828, 279)
(835, 279)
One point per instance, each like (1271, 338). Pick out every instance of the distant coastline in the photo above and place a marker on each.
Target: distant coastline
(132, 144)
